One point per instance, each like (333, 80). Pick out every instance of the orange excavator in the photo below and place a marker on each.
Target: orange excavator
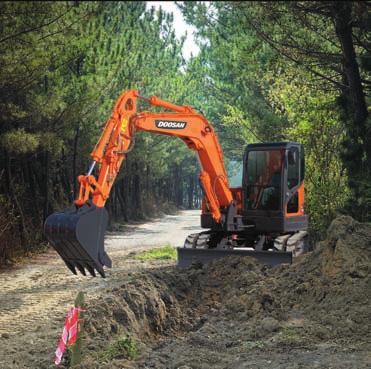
(263, 218)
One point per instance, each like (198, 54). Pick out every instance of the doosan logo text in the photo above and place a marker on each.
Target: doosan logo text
(170, 124)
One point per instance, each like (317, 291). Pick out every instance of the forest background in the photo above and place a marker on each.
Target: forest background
(266, 71)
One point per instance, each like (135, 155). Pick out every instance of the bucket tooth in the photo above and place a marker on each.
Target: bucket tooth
(70, 267)
(80, 268)
(101, 272)
(77, 234)
(90, 270)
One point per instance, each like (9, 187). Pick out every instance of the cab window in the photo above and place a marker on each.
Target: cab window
(264, 173)
(293, 164)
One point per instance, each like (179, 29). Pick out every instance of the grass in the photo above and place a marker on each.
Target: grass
(290, 336)
(163, 253)
(123, 348)
(250, 345)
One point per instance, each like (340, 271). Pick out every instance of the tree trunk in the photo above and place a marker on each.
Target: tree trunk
(190, 191)
(137, 192)
(23, 233)
(120, 189)
(178, 186)
(343, 27)
(357, 157)
(46, 185)
(74, 161)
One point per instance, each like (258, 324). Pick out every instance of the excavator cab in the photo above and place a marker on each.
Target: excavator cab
(271, 197)
(266, 220)
(273, 187)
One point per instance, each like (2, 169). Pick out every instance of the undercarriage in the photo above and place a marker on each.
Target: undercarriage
(209, 245)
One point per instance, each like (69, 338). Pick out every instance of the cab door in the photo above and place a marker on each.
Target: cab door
(294, 173)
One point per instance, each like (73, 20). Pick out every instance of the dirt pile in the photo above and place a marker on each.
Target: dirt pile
(217, 315)
(146, 307)
(326, 292)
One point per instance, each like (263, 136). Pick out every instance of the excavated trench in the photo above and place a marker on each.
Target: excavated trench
(236, 313)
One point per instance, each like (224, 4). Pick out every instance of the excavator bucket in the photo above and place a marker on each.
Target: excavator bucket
(187, 256)
(77, 234)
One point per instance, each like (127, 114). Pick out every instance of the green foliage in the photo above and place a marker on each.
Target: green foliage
(122, 348)
(314, 120)
(327, 45)
(234, 62)
(18, 141)
(163, 253)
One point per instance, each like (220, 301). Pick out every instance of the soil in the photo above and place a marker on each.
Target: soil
(233, 313)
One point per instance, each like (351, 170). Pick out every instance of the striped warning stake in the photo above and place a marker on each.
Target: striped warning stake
(69, 334)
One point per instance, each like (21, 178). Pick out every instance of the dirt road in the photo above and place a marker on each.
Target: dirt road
(35, 297)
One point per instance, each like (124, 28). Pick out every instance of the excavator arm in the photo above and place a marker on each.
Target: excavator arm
(78, 232)
(183, 122)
